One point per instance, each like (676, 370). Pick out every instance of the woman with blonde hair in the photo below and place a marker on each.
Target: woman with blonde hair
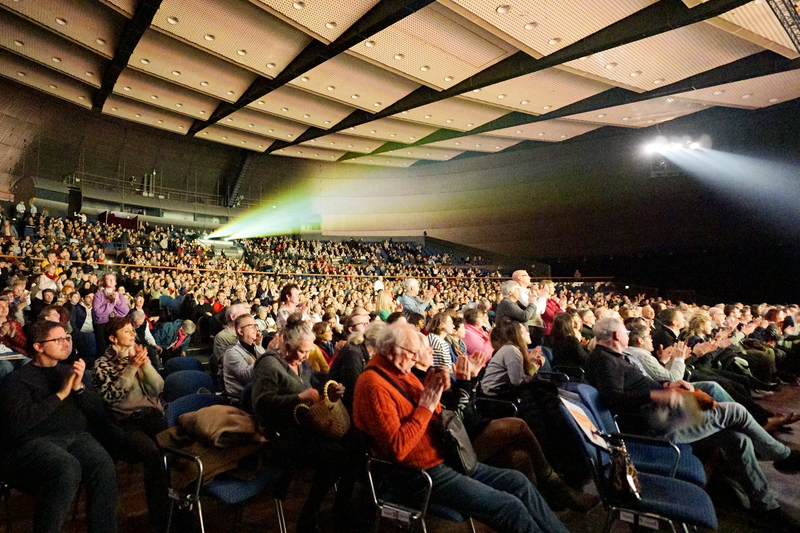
(384, 304)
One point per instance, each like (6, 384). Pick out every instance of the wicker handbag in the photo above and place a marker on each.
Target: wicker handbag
(325, 417)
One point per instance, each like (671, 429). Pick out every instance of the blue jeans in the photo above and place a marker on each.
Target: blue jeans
(504, 499)
(714, 390)
(743, 442)
(52, 468)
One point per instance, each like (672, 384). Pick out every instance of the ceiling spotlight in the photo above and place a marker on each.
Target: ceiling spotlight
(270, 65)
(229, 93)
(144, 61)
(53, 86)
(204, 84)
(285, 109)
(172, 20)
(377, 104)
(153, 97)
(525, 102)
(100, 41)
(449, 120)
(298, 5)
(261, 102)
(19, 43)
(202, 111)
(531, 25)
(636, 73)
(501, 96)
(399, 56)
(601, 115)
(331, 88)
(717, 93)
(354, 96)
(160, 121)
(228, 119)
(176, 72)
(137, 115)
(470, 124)
(424, 68)
(773, 100)
(126, 88)
(61, 22)
(448, 78)
(546, 107)
(503, 9)
(209, 37)
(427, 116)
(224, 137)
(658, 81)
(242, 52)
(330, 25)
(56, 60)
(554, 40)
(369, 44)
(611, 66)
(518, 131)
(746, 96)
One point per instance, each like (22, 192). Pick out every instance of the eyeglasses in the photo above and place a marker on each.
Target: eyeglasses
(415, 354)
(253, 325)
(61, 340)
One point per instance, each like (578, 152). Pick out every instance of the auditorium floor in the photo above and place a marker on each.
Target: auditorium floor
(259, 516)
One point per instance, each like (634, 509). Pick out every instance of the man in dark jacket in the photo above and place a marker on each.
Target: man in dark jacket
(51, 422)
(352, 358)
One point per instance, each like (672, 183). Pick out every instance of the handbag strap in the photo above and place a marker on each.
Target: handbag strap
(385, 376)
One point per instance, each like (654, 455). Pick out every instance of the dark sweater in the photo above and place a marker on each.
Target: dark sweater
(622, 387)
(347, 367)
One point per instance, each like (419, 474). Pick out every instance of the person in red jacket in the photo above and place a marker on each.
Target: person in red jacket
(553, 306)
(394, 410)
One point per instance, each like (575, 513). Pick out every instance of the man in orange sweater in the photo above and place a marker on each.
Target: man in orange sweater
(397, 425)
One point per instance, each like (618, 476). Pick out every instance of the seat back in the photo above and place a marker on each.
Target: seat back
(185, 382)
(177, 364)
(590, 398)
(188, 404)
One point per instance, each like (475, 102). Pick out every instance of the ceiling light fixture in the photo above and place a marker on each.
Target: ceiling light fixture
(61, 22)
(503, 9)
(518, 131)
(546, 107)
(369, 44)
(746, 96)
(126, 88)
(327, 122)
(424, 68)
(717, 93)
(773, 100)
(354, 96)
(153, 97)
(209, 37)
(285, 109)
(204, 84)
(270, 65)
(601, 115)
(138, 115)
(658, 81)
(100, 41)
(636, 73)
(449, 120)
(377, 104)
(470, 124)
(304, 78)
(225, 137)
(298, 5)
(172, 20)
(179, 104)
(261, 102)
(242, 52)
(251, 125)
(144, 61)
(448, 78)
(306, 115)
(554, 40)
(81, 98)
(19, 43)
(399, 57)
(228, 119)
(89, 74)
(563, 136)
(113, 109)
(531, 25)
(330, 25)
(501, 96)
(160, 121)
(611, 66)
(56, 59)
(525, 102)
(331, 88)
(53, 86)
(202, 111)
(229, 93)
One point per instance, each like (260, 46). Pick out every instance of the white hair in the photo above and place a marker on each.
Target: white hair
(605, 328)
(508, 287)
(408, 283)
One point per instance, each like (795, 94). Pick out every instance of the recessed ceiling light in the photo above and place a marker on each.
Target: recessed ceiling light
(270, 65)
(331, 143)
(285, 109)
(554, 40)
(369, 44)
(428, 116)
(209, 37)
(331, 88)
(113, 109)
(563, 136)
(601, 115)
(449, 120)
(242, 52)
(611, 66)
(428, 154)
(501, 96)
(261, 102)
(658, 81)
(525, 102)
(477, 146)
(424, 68)
(100, 41)
(228, 119)
(330, 25)
(180, 127)
(773, 100)
(19, 43)
(224, 137)
(144, 61)
(89, 74)
(229, 93)
(626, 118)
(540, 134)
(126, 88)
(251, 125)
(290, 135)
(448, 78)
(153, 97)
(518, 131)
(412, 138)
(351, 128)
(457, 143)
(306, 115)
(404, 112)
(202, 111)
(81, 98)
(349, 145)
(261, 146)
(503, 9)
(531, 25)
(304, 78)
(298, 5)
(354, 96)
(137, 115)
(270, 130)
(408, 152)
(53, 86)
(636, 73)
(476, 90)
(650, 121)
(327, 122)
(172, 20)
(746, 96)
(496, 147)
(393, 135)
(373, 131)
(60, 21)
(160, 121)
(204, 84)
(470, 124)
(281, 150)
(399, 56)
(717, 93)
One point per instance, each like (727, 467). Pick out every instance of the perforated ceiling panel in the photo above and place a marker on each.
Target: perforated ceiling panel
(350, 143)
(666, 58)
(166, 57)
(35, 75)
(324, 19)
(264, 124)
(547, 25)
(435, 46)
(381, 161)
(539, 92)
(548, 130)
(424, 152)
(757, 17)
(236, 30)
(310, 152)
(125, 7)
(390, 129)
(40, 45)
(641, 114)
(477, 143)
(159, 93)
(132, 110)
(754, 93)
(91, 24)
(355, 82)
(454, 113)
(301, 106)
(234, 137)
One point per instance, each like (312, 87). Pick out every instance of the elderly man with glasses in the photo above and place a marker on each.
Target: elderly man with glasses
(52, 423)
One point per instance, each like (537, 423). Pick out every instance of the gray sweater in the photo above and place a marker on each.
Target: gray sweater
(505, 372)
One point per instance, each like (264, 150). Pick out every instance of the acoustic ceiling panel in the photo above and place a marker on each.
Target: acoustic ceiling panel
(544, 26)
(477, 143)
(91, 24)
(160, 93)
(237, 30)
(424, 152)
(539, 92)
(667, 57)
(750, 94)
(310, 152)
(263, 124)
(353, 81)
(234, 137)
(323, 19)
(35, 75)
(125, 7)
(390, 129)
(547, 130)
(454, 113)
(134, 111)
(641, 114)
(302, 106)
(435, 46)
(350, 143)
(40, 45)
(168, 58)
(381, 161)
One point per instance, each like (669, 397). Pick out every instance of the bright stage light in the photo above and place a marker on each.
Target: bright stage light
(675, 144)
